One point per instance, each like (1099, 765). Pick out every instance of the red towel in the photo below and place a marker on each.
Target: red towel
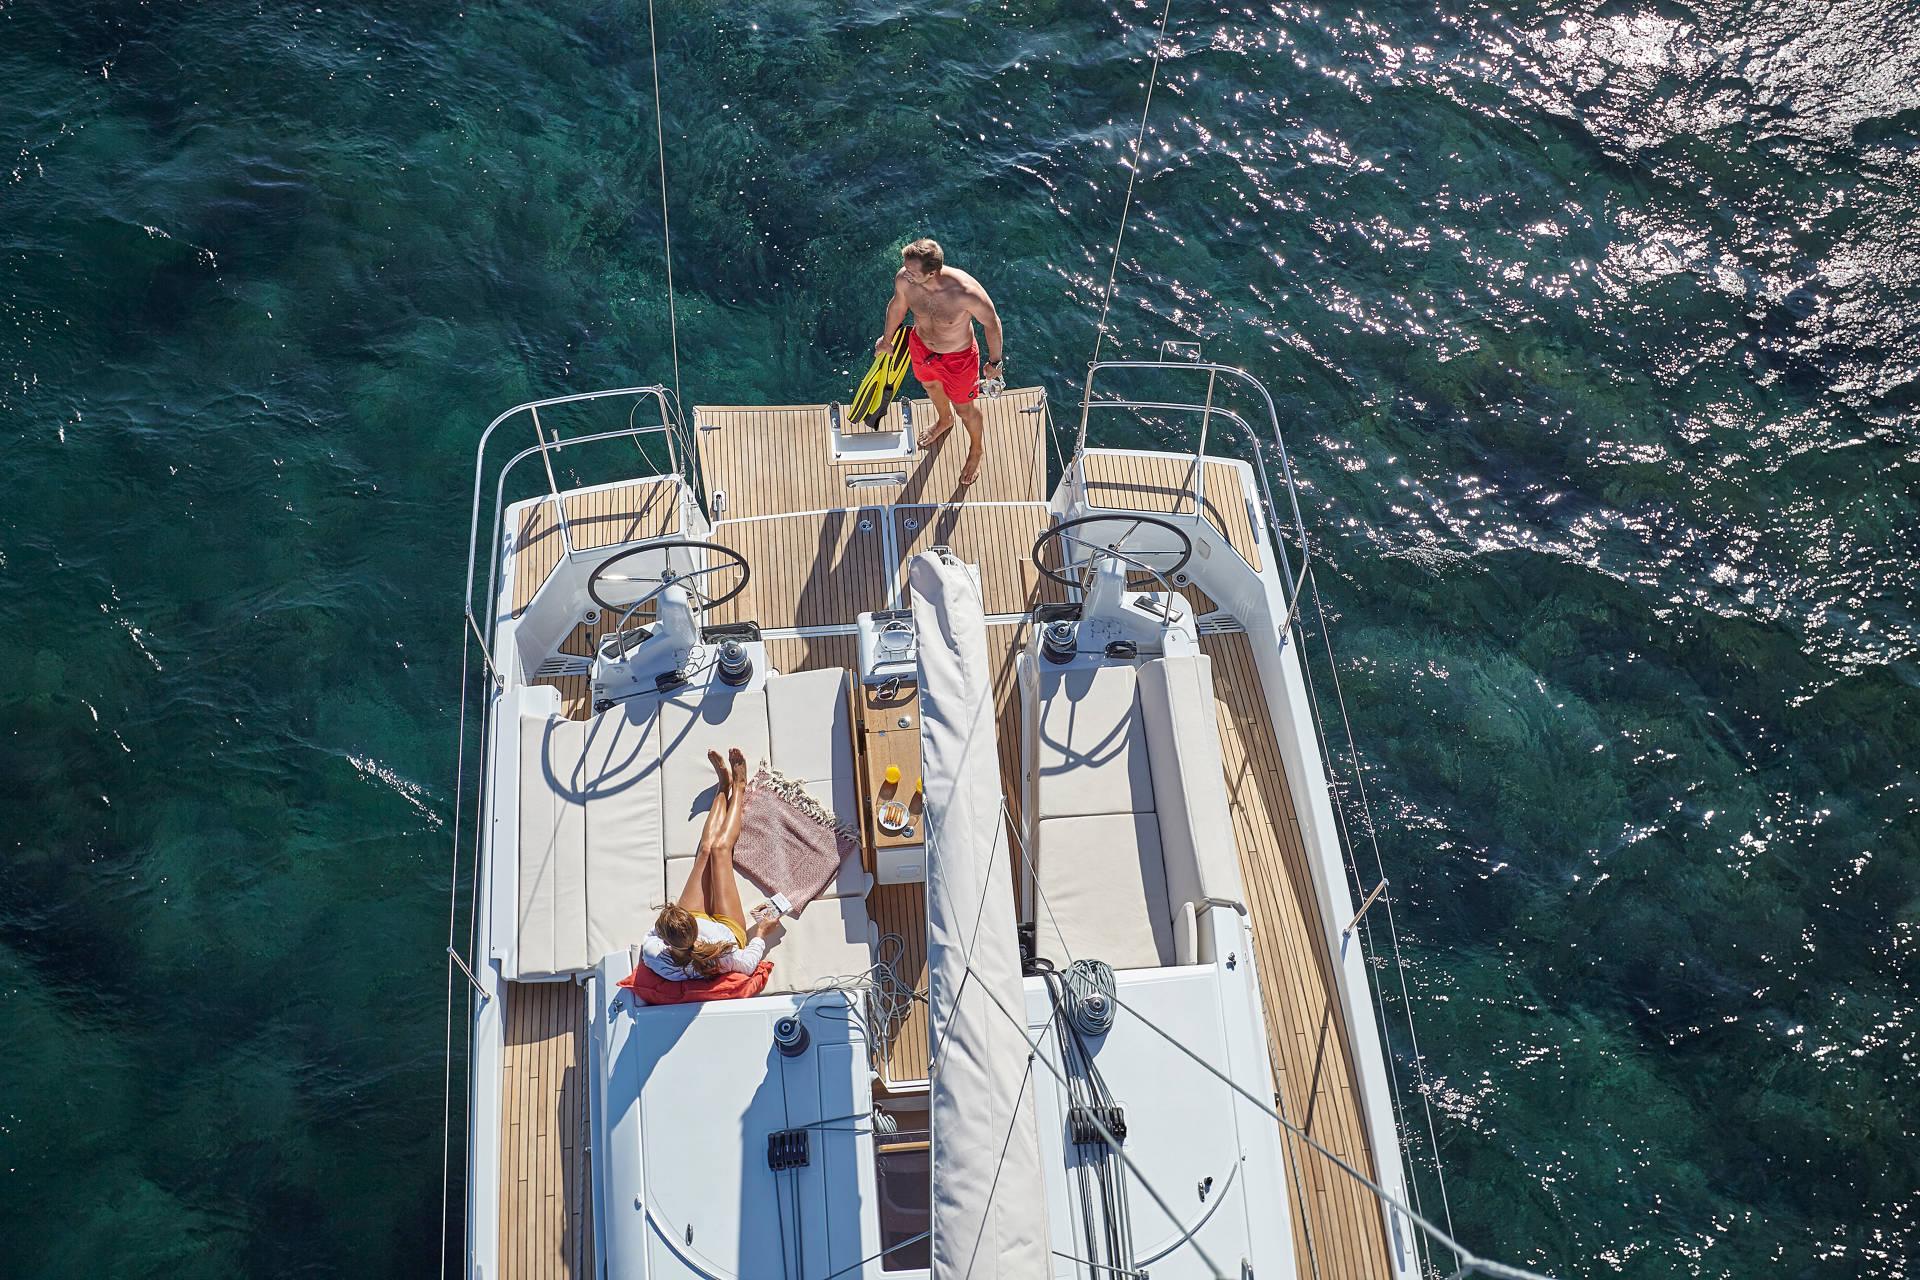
(650, 988)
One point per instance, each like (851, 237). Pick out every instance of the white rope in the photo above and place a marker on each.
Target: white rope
(666, 227)
(1139, 140)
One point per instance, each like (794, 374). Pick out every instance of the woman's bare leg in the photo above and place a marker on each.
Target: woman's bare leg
(695, 896)
(723, 891)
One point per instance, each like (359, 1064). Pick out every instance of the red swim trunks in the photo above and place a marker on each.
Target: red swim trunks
(956, 372)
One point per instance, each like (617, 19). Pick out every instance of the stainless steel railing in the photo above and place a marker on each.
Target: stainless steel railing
(1209, 408)
(682, 460)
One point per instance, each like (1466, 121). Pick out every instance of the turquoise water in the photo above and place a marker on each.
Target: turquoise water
(1596, 330)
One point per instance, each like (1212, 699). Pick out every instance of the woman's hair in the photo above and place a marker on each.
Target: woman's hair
(681, 932)
(927, 252)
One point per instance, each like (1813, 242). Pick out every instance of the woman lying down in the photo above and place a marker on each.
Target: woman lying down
(702, 935)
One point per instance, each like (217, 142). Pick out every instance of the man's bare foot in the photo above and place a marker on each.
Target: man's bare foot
(971, 471)
(938, 433)
(720, 767)
(739, 761)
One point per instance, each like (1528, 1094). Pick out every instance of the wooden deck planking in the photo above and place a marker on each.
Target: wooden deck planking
(995, 537)
(536, 551)
(774, 460)
(788, 654)
(901, 910)
(809, 570)
(545, 1224)
(1306, 1027)
(1134, 482)
(623, 513)
(602, 518)
(576, 692)
(1007, 642)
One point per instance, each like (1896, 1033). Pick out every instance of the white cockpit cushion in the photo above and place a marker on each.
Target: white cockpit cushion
(1103, 892)
(810, 719)
(713, 718)
(832, 940)
(1091, 744)
(550, 928)
(810, 722)
(626, 880)
(1189, 780)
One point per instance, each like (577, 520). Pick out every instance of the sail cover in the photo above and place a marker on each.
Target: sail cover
(989, 1214)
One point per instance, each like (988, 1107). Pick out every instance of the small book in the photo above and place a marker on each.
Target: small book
(773, 908)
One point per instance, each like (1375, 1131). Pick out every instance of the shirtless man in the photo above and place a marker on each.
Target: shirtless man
(945, 302)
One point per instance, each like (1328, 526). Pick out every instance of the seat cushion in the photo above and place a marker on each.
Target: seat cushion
(810, 723)
(830, 941)
(1189, 779)
(626, 878)
(808, 713)
(699, 721)
(550, 928)
(1103, 891)
(1091, 747)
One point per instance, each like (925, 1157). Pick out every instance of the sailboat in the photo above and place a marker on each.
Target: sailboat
(1089, 995)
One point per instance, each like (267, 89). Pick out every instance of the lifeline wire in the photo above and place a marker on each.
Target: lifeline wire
(1139, 138)
(666, 227)
(1471, 1261)
(1307, 578)
(453, 899)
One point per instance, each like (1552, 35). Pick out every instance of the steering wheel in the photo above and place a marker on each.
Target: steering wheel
(650, 577)
(1100, 545)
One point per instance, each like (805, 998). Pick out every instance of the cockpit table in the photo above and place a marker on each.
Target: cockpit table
(890, 736)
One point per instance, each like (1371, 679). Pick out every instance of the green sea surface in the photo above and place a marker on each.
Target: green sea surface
(1595, 330)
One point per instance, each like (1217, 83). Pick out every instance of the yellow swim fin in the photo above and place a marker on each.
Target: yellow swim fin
(883, 381)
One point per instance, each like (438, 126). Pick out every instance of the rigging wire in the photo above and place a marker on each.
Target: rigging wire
(1422, 1084)
(1133, 174)
(1468, 1260)
(1393, 933)
(1348, 847)
(1419, 1061)
(453, 900)
(666, 227)
(1099, 1125)
(1293, 1156)
(1101, 1183)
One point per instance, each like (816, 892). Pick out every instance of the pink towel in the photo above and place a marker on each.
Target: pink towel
(789, 842)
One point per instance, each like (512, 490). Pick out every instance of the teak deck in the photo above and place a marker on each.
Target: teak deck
(546, 1216)
(824, 551)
